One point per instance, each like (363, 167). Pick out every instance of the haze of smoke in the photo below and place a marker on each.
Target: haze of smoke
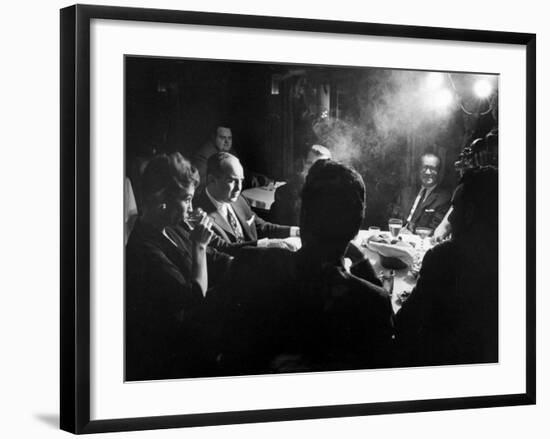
(393, 106)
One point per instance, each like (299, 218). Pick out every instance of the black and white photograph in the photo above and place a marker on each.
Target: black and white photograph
(303, 218)
(266, 220)
(278, 218)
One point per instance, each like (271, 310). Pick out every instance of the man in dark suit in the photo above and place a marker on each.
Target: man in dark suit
(305, 311)
(233, 219)
(432, 201)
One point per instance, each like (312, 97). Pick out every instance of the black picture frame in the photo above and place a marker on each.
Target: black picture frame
(75, 217)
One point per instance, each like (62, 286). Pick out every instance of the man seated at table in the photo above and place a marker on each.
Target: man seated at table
(432, 202)
(451, 316)
(233, 219)
(221, 140)
(305, 311)
(286, 207)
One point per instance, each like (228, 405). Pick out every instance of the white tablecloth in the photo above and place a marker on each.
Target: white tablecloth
(404, 280)
(262, 197)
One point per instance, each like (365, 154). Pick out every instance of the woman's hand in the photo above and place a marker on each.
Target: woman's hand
(443, 230)
(200, 237)
(202, 233)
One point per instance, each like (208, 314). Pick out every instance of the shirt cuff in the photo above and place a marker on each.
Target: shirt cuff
(262, 243)
(347, 264)
(294, 231)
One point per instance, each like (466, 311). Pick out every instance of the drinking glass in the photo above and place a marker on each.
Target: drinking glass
(395, 225)
(423, 233)
(194, 217)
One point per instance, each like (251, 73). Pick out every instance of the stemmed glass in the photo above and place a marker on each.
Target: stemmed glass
(423, 233)
(395, 225)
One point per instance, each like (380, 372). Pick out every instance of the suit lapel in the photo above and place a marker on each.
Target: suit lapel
(222, 226)
(428, 201)
(246, 219)
(222, 223)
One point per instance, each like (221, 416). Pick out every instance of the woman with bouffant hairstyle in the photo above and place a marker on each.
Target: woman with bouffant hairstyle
(166, 277)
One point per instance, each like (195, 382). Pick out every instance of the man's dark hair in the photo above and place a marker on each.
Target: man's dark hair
(431, 154)
(166, 175)
(480, 189)
(333, 202)
(215, 161)
(220, 124)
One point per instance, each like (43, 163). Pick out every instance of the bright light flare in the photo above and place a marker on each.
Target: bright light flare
(443, 98)
(483, 88)
(434, 80)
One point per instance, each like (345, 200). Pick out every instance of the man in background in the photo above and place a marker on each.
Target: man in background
(432, 201)
(222, 140)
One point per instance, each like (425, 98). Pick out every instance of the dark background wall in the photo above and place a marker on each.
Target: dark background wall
(175, 105)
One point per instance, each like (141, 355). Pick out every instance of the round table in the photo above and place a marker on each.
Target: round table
(404, 279)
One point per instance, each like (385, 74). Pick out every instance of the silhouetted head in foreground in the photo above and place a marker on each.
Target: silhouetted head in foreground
(333, 206)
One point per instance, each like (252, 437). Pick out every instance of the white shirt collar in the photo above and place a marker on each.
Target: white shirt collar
(220, 206)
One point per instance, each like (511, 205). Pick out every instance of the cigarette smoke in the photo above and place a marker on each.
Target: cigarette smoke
(392, 110)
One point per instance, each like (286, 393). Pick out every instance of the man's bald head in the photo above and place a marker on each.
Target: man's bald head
(225, 175)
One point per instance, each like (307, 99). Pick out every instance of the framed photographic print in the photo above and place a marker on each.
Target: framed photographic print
(269, 218)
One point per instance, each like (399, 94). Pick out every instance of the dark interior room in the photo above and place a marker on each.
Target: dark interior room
(377, 120)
